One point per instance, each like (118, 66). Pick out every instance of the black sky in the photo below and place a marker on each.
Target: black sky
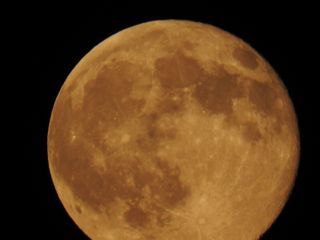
(59, 36)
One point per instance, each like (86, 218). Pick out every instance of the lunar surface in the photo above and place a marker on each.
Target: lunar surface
(173, 130)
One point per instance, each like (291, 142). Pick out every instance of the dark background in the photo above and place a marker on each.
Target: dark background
(59, 36)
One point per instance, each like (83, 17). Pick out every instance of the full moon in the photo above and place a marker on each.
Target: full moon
(173, 129)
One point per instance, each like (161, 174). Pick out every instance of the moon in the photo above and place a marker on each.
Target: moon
(173, 129)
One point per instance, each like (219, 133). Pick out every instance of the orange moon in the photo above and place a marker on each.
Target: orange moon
(173, 129)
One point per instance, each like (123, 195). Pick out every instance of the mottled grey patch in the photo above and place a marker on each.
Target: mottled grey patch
(263, 96)
(102, 189)
(149, 141)
(172, 101)
(106, 101)
(188, 45)
(215, 92)
(136, 217)
(171, 191)
(73, 161)
(251, 132)
(177, 71)
(246, 57)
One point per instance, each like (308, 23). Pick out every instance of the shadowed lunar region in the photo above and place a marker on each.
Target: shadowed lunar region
(173, 129)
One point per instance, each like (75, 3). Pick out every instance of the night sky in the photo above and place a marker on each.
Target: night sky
(60, 36)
